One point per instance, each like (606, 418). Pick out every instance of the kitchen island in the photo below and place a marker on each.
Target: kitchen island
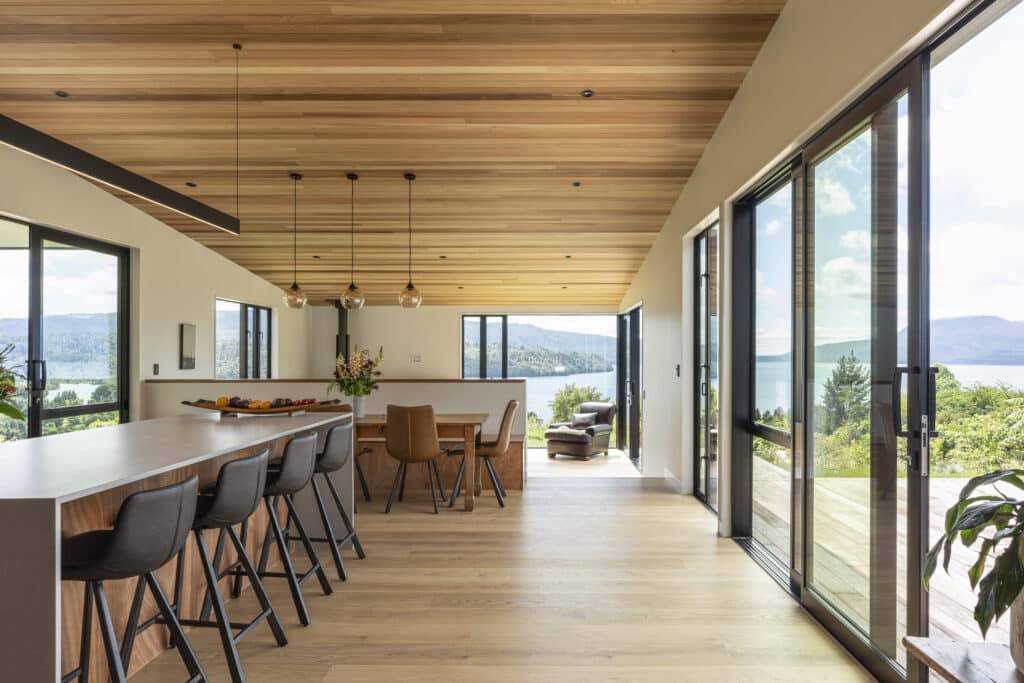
(66, 484)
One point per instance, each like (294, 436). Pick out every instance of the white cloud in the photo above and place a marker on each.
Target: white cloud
(844, 276)
(975, 270)
(856, 240)
(764, 292)
(772, 227)
(832, 198)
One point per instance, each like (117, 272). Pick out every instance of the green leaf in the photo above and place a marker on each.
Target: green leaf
(931, 561)
(1012, 477)
(11, 412)
(975, 572)
(1000, 587)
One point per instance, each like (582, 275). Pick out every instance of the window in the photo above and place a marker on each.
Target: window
(243, 341)
(484, 332)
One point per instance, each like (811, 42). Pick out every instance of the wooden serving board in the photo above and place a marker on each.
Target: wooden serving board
(227, 410)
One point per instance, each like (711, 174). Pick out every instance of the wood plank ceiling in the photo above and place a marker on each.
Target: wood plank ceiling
(482, 100)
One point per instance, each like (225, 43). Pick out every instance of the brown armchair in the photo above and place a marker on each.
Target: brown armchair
(582, 438)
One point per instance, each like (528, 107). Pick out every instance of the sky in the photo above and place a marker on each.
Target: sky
(588, 324)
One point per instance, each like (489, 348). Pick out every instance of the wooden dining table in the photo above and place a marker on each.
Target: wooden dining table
(451, 427)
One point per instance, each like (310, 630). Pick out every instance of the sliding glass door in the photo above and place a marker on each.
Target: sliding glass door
(630, 390)
(706, 365)
(65, 321)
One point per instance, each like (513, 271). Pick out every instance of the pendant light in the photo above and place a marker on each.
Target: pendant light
(410, 297)
(352, 299)
(294, 297)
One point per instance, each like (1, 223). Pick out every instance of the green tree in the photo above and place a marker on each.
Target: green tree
(104, 393)
(847, 394)
(568, 399)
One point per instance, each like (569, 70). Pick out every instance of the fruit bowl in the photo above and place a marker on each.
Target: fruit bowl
(279, 406)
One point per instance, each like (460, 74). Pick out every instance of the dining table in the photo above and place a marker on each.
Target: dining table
(457, 427)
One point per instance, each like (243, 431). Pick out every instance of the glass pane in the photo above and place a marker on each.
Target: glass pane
(712, 410)
(976, 292)
(471, 347)
(14, 318)
(702, 364)
(264, 342)
(228, 340)
(79, 327)
(79, 423)
(858, 520)
(250, 341)
(495, 341)
(773, 344)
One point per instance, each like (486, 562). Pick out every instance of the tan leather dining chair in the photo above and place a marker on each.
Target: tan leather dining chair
(410, 436)
(485, 450)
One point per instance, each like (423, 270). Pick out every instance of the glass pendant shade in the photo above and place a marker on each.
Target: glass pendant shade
(294, 297)
(410, 297)
(353, 298)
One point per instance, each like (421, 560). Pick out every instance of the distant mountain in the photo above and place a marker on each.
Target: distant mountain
(539, 352)
(531, 336)
(969, 340)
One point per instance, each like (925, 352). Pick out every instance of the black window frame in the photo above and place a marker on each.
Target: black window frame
(482, 319)
(251, 345)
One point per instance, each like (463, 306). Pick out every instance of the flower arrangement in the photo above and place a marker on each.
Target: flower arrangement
(9, 385)
(357, 376)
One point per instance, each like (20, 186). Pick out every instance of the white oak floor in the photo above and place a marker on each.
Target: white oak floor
(576, 580)
(615, 465)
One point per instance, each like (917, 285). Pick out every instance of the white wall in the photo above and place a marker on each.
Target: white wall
(174, 279)
(432, 333)
(820, 55)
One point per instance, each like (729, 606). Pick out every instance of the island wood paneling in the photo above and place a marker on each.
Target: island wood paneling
(481, 100)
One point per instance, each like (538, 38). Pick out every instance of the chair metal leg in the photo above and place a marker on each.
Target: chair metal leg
(458, 483)
(131, 628)
(257, 588)
(86, 646)
(107, 631)
(332, 540)
(218, 554)
(321, 575)
(394, 487)
(497, 478)
(185, 651)
(362, 480)
(494, 481)
(349, 527)
(268, 537)
(430, 478)
(286, 560)
(227, 639)
(440, 482)
(236, 582)
(401, 486)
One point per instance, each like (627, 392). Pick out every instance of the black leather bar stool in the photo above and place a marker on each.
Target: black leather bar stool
(150, 529)
(232, 501)
(336, 454)
(284, 479)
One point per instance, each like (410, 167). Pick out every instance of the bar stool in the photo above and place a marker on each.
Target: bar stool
(150, 529)
(336, 454)
(284, 480)
(232, 501)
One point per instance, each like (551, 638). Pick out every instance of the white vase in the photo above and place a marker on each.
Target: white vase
(358, 406)
(1017, 631)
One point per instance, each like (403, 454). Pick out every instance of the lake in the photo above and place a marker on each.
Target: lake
(541, 390)
(773, 384)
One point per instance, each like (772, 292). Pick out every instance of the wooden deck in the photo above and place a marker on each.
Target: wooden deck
(842, 552)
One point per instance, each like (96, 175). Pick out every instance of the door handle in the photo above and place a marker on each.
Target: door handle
(897, 400)
(932, 427)
(37, 375)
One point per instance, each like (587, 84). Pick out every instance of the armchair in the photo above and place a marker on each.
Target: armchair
(579, 440)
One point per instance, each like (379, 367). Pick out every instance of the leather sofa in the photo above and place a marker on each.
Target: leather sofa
(582, 441)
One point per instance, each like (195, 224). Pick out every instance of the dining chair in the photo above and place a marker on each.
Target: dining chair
(485, 450)
(411, 437)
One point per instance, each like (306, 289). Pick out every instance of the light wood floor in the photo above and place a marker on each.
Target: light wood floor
(576, 580)
(614, 465)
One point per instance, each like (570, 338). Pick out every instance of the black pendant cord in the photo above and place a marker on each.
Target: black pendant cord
(410, 229)
(238, 52)
(352, 235)
(295, 230)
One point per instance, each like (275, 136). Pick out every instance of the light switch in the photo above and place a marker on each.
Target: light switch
(417, 358)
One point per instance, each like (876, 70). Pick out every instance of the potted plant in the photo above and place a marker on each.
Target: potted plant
(357, 377)
(998, 587)
(9, 385)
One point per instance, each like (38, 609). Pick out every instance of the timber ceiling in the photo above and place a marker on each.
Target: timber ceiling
(482, 100)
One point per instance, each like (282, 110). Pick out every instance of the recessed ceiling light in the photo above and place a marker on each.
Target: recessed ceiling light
(316, 256)
(568, 256)
(576, 183)
(63, 94)
(189, 183)
(460, 287)
(588, 93)
(565, 287)
(442, 256)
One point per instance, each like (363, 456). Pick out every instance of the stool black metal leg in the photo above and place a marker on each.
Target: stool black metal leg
(258, 589)
(179, 572)
(401, 487)
(107, 631)
(269, 535)
(362, 480)
(236, 583)
(394, 486)
(493, 476)
(430, 478)
(131, 629)
(457, 486)
(204, 613)
(185, 651)
(227, 638)
(321, 575)
(440, 483)
(332, 540)
(286, 560)
(86, 646)
(350, 530)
